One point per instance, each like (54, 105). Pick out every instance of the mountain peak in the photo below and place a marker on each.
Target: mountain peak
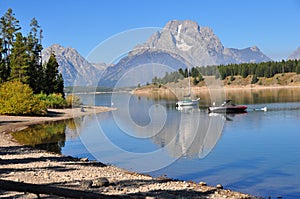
(178, 25)
(72, 65)
(181, 44)
(254, 49)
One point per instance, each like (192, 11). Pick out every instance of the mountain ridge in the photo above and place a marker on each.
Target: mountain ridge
(186, 44)
(74, 67)
(180, 44)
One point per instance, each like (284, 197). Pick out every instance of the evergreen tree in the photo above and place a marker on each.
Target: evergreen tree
(186, 73)
(19, 60)
(298, 68)
(35, 48)
(9, 27)
(2, 64)
(59, 85)
(53, 80)
(181, 72)
(254, 79)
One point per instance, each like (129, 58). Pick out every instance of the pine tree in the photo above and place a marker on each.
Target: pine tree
(50, 72)
(35, 48)
(59, 85)
(53, 80)
(254, 79)
(9, 27)
(298, 68)
(19, 60)
(181, 72)
(2, 64)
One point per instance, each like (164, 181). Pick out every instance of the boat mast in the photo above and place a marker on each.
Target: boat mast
(188, 70)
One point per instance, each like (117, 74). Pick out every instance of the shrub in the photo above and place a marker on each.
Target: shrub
(73, 101)
(53, 100)
(18, 99)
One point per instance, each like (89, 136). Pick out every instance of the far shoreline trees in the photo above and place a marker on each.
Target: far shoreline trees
(263, 69)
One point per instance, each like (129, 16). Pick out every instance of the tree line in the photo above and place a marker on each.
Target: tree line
(27, 85)
(263, 69)
(179, 75)
(21, 57)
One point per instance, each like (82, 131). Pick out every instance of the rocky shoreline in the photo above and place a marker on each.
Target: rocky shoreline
(26, 172)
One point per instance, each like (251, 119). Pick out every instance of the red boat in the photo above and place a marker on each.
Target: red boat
(227, 107)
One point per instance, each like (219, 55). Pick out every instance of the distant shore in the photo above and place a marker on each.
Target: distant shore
(170, 91)
(23, 167)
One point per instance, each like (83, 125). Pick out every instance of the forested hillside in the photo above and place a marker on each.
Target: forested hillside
(256, 70)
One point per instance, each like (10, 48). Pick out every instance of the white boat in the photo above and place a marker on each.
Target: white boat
(187, 102)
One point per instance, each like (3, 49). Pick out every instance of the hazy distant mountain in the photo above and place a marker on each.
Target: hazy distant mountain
(246, 55)
(73, 66)
(178, 45)
(295, 54)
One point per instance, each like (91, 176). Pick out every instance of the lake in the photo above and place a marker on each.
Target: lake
(256, 152)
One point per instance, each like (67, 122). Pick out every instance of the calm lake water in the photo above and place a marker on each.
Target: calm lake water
(256, 152)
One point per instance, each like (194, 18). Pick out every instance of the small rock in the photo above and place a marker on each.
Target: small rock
(84, 159)
(219, 186)
(202, 184)
(101, 182)
(86, 184)
(150, 197)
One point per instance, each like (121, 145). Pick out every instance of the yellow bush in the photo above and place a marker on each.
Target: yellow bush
(73, 101)
(18, 99)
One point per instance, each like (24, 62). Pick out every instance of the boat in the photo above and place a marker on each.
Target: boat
(261, 109)
(227, 107)
(187, 102)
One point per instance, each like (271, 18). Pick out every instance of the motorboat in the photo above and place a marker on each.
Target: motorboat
(187, 102)
(227, 107)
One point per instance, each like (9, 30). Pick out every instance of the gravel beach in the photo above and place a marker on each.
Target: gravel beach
(26, 172)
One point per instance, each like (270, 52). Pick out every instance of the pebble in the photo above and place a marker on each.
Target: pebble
(85, 184)
(219, 186)
(84, 159)
(202, 184)
(101, 182)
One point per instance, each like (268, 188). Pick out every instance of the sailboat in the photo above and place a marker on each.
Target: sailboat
(188, 101)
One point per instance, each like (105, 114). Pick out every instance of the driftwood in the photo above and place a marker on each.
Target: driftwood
(50, 190)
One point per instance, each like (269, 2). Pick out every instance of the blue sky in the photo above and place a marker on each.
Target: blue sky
(273, 26)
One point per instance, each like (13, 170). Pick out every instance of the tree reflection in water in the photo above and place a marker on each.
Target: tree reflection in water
(49, 136)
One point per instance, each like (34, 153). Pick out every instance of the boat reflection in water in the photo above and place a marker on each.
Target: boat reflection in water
(225, 116)
(195, 136)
